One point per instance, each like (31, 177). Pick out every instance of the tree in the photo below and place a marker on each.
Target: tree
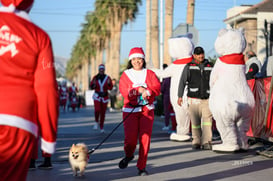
(118, 13)
(155, 34)
(168, 29)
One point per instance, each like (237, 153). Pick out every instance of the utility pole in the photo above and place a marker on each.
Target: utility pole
(271, 38)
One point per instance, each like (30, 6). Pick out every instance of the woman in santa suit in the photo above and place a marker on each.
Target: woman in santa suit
(28, 90)
(138, 86)
(101, 83)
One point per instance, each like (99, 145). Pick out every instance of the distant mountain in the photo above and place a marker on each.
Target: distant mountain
(60, 64)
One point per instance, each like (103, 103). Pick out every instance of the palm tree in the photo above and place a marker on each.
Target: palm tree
(148, 32)
(155, 34)
(118, 13)
(168, 29)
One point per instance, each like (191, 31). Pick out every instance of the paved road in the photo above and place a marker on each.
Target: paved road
(167, 161)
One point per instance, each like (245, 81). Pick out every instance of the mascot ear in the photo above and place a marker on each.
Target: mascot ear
(222, 32)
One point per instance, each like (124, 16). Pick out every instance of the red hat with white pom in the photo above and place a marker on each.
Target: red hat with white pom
(19, 4)
(136, 52)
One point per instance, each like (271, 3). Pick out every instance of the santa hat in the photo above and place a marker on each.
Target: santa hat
(136, 52)
(19, 4)
(101, 66)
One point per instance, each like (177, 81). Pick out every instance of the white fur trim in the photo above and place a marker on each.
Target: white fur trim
(48, 147)
(137, 77)
(136, 55)
(137, 109)
(11, 9)
(15, 121)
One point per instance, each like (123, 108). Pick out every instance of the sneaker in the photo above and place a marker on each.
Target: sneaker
(142, 172)
(124, 162)
(102, 131)
(177, 137)
(165, 128)
(206, 146)
(45, 166)
(95, 126)
(196, 147)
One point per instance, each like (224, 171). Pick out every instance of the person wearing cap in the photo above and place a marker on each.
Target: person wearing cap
(101, 83)
(253, 65)
(196, 76)
(139, 87)
(28, 90)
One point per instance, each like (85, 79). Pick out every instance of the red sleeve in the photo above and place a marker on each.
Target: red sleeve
(129, 93)
(153, 85)
(46, 90)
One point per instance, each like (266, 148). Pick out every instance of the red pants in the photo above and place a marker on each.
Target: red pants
(100, 110)
(15, 153)
(138, 127)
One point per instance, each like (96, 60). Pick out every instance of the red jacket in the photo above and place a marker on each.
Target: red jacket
(28, 87)
(101, 87)
(129, 90)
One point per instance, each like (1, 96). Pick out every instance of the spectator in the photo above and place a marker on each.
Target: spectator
(138, 86)
(253, 65)
(28, 93)
(196, 75)
(113, 95)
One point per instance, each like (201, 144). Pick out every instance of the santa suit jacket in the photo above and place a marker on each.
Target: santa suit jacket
(28, 87)
(129, 89)
(101, 88)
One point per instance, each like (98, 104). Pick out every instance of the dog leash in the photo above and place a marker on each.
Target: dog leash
(93, 149)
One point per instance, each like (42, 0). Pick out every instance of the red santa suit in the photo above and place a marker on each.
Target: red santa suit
(72, 89)
(139, 123)
(63, 93)
(101, 83)
(28, 90)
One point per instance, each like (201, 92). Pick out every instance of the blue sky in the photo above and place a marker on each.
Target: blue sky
(62, 20)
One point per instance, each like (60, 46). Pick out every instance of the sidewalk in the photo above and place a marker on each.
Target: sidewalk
(167, 161)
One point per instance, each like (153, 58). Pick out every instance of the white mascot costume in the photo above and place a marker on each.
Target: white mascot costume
(180, 48)
(231, 100)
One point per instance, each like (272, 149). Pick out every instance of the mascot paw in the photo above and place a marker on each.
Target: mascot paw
(225, 148)
(177, 137)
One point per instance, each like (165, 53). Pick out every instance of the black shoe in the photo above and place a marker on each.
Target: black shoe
(124, 162)
(32, 165)
(46, 165)
(142, 172)
(196, 147)
(206, 146)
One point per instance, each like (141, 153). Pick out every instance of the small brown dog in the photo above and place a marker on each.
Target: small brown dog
(78, 158)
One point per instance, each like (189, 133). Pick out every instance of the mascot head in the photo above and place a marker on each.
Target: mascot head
(181, 46)
(230, 41)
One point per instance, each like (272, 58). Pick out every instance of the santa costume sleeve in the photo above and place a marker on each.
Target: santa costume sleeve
(46, 90)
